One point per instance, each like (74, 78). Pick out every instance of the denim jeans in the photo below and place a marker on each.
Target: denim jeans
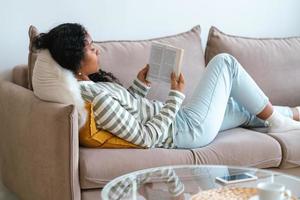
(226, 97)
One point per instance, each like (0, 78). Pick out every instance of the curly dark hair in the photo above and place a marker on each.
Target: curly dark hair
(103, 76)
(66, 43)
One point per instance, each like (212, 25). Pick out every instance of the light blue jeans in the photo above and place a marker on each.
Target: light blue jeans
(226, 97)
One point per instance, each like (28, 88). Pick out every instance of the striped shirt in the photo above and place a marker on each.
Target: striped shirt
(129, 115)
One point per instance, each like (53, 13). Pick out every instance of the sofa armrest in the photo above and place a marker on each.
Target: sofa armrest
(20, 75)
(38, 146)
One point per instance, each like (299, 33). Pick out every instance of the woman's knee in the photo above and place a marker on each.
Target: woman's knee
(226, 60)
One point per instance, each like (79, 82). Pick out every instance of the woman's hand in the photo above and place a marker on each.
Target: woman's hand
(142, 75)
(177, 84)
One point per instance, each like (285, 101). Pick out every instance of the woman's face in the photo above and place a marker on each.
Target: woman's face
(90, 62)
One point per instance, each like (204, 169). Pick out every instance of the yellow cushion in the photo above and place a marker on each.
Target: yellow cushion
(90, 136)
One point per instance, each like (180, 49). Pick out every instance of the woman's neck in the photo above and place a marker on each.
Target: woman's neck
(82, 78)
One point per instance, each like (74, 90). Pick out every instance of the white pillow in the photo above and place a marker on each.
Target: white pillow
(51, 82)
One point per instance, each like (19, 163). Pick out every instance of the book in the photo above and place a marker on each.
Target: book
(164, 59)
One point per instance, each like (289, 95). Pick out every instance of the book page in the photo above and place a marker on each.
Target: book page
(168, 64)
(164, 59)
(155, 62)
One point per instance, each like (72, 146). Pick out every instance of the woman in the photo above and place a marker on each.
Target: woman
(226, 97)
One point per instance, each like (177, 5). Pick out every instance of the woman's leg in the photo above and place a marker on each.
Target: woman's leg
(237, 115)
(200, 120)
(292, 113)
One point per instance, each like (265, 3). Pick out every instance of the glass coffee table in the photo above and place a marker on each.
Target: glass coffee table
(193, 182)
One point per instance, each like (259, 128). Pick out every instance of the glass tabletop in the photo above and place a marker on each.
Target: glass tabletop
(186, 181)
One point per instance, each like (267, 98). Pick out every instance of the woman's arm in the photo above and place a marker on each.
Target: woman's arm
(139, 88)
(111, 116)
(141, 85)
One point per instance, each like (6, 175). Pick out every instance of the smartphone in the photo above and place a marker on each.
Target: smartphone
(236, 178)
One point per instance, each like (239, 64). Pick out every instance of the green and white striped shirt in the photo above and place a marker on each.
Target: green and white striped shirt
(129, 115)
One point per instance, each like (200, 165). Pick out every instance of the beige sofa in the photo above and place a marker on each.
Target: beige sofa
(40, 155)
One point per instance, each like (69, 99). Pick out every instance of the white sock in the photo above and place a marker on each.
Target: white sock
(279, 123)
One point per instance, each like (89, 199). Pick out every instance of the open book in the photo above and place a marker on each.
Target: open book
(164, 59)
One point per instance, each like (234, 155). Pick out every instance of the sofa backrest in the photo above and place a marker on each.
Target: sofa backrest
(125, 58)
(274, 63)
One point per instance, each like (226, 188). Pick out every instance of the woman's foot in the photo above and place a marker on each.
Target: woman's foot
(279, 123)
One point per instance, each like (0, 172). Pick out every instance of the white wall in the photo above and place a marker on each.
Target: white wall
(141, 19)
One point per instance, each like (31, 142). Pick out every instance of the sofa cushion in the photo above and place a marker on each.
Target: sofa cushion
(99, 166)
(125, 58)
(289, 142)
(232, 147)
(236, 147)
(90, 136)
(51, 82)
(273, 63)
(32, 32)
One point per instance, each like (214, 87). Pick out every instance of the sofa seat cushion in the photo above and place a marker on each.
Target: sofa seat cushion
(99, 166)
(238, 146)
(289, 142)
(241, 147)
